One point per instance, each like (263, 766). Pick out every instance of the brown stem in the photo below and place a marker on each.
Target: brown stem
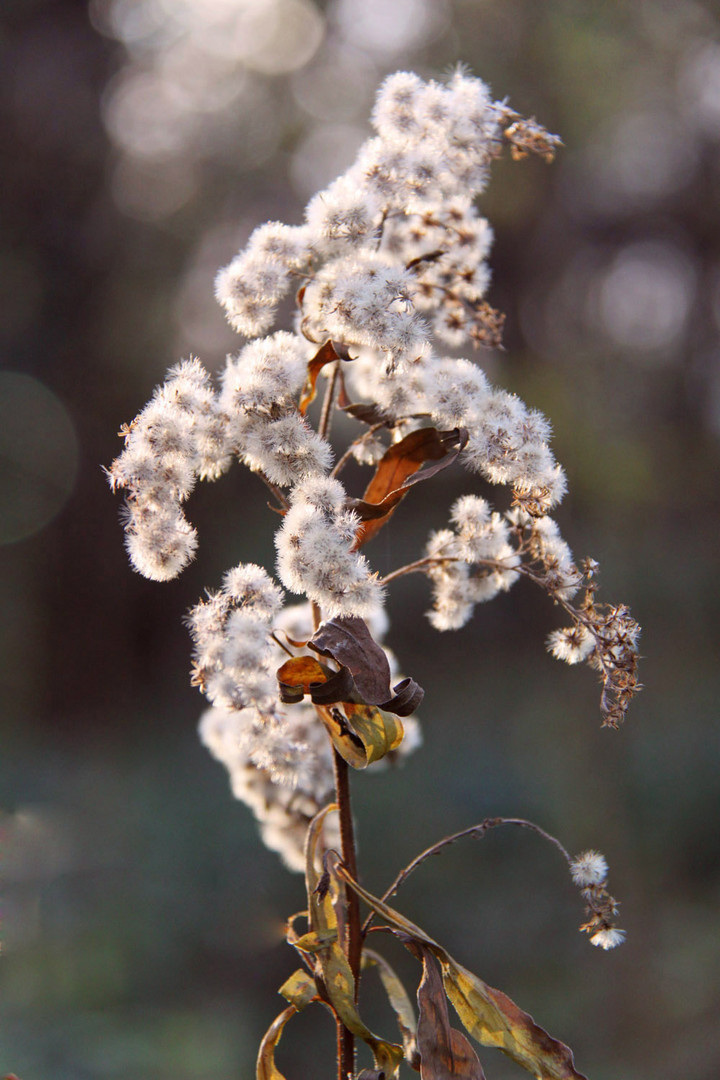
(353, 940)
(328, 402)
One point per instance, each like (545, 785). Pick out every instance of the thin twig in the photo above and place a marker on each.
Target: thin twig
(473, 830)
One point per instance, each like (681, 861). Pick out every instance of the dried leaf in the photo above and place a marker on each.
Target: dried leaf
(326, 354)
(489, 1015)
(445, 1053)
(368, 414)
(362, 734)
(348, 641)
(303, 675)
(399, 467)
(331, 964)
(494, 1019)
(407, 698)
(266, 1069)
(400, 1002)
(299, 989)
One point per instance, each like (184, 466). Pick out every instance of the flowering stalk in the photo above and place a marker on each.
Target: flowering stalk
(388, 267)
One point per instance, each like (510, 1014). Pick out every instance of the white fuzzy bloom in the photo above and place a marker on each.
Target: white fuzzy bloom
(250, 287)
(571, 644)
(233, 649)
(315, 551)
(608, 938)
(365, 299)
(562, 576)
(179, 436)
(589, 868)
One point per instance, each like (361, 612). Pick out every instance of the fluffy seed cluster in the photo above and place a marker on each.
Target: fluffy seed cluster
(589, 871)
(233, 649)
(179, 436)
(389, 272)
(315, 551)
(470, 564)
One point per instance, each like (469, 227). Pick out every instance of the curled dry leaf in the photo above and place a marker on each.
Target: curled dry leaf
(347, 639)
(303, 675)
(399, 468)
(362, 734)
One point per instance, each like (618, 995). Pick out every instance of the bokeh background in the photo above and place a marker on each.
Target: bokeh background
(142, 918)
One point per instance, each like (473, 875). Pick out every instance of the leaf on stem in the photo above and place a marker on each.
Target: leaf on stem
(360, 733)
(303, 675)
(347, 639)
(489, 1015)
(445, 1053)
(400, 1003)
(398, 469)
(322, 947)
(299, 989)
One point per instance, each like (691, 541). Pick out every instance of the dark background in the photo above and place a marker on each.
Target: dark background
(142, 917)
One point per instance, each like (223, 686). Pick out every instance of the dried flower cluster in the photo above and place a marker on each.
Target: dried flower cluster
(388, 267)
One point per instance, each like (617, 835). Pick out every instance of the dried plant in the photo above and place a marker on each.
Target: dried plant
(389, 263)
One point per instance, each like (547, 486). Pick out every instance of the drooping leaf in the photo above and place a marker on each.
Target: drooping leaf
(489, 1015)
(494, 1019)
(445, 1053)
(348, 640)
(266, 1069)
(361, 734)
(400, 1003)
(399, 468)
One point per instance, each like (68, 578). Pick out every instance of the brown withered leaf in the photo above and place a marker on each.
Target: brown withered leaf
(489, 1015)
(348, 641)
(406, 699)
(445, 1053)
(399, 468)
(328, 353)
(301, 675)
(266, 1069)
(368, 414)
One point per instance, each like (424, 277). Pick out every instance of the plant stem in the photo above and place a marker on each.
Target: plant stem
(353, 941)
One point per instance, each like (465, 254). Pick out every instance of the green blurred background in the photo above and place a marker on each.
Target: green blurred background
(142, 918)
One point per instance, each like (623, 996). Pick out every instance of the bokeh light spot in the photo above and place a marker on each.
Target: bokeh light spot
(38, 456)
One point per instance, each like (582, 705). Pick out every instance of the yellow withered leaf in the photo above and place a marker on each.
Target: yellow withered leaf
(362, 734)
(266, 1069)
